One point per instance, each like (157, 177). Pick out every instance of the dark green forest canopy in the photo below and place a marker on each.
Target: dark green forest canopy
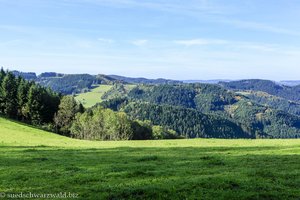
(188, 123)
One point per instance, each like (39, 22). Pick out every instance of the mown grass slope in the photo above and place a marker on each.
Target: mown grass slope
(36, 161)
(93, 97)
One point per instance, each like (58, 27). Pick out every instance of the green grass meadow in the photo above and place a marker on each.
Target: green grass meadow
(93, 97)
(36, 161)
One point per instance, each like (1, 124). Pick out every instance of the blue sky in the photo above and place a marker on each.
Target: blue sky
(191, 39)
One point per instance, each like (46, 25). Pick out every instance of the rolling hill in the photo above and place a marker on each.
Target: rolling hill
(191, 109)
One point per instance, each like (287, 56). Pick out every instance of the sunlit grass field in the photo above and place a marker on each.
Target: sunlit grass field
(36, 161)
(93, 97)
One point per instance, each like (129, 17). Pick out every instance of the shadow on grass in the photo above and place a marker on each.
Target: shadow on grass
(154, 173)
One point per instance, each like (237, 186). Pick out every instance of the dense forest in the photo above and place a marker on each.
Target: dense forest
(279, 103)
(188, 123)
(227, 114)
(26, 101)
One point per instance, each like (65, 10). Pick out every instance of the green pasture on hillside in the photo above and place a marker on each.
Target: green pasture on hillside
(40, 162)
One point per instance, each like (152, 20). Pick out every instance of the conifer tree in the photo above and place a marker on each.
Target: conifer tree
(9, 95)
(34, 104)
(22, 99)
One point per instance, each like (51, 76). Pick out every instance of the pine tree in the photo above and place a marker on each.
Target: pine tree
(22, 99)
(51, 101)
(2, 75)
(34, 105)
(9, 89)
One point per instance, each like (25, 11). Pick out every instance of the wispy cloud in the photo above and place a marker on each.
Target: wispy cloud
(214, 11)
(233, 45)
(201, 42)
(259, 26)
(105, 40)
(259, 47)
(203, 6)
(139, 43)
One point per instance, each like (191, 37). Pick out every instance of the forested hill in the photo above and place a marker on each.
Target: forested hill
(184, 107)
(270, 87)
(66, 83)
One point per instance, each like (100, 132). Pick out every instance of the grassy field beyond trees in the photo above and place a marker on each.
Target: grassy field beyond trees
(93, 97)
(35, 161)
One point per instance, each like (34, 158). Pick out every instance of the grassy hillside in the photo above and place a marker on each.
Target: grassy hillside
(36, 161)
(89, 99)
(94, 96)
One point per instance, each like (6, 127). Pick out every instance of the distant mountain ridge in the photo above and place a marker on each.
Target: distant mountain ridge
(25, 75)
(214, 81)
(290, 83)
(142, 80)
(78, 83)
(270, 87)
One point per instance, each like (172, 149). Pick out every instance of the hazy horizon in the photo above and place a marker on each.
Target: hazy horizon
(182, 40)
